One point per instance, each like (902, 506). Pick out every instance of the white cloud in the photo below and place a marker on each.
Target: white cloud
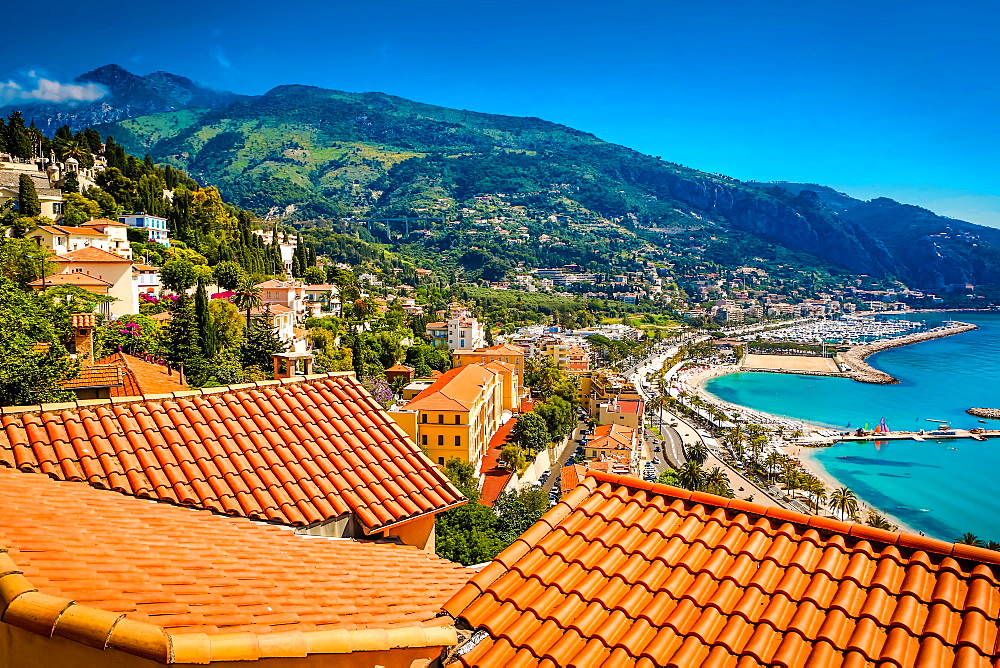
(40, 89)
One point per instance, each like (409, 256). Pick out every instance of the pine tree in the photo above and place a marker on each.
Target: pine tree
(3, 135)
(71, 184)
(27, 197)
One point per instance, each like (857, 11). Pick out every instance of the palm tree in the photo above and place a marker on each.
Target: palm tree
(879, 522)
(844, 501)
(247, 297)
(970, 539)
(690, 476)
(716, 481)
(992, 545)
(697, 453)
(771, 463)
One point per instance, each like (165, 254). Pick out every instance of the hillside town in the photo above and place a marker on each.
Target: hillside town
(225, 438)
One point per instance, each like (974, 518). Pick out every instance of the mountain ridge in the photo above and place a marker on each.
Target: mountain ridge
(321, 157)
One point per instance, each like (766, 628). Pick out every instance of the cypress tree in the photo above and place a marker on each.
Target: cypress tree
(27, 197)
(18, 139)
(3, 135)
(206, 331)
(182, 339)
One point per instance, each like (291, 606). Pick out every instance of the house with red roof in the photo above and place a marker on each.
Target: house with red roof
(96, 270)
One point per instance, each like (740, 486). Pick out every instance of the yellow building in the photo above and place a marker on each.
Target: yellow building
(507, 353)
(613, 443)
(601, 386)
(458, 414)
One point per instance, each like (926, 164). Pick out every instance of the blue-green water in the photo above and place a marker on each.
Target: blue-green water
(941, 488)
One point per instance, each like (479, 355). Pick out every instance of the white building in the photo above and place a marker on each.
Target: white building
(156, 226)
(457, 333)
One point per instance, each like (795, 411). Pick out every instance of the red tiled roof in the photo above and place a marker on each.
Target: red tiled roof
(142, 378)
(177, 586)
(90, 254)
(103, 222)
(613, 436)
(495, 477)
(96, 375)
(402, 368)
(456, 390)
(628, 573)
(78, 278)
(297, 452)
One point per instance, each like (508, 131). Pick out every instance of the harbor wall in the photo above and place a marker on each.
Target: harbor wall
(862, 372)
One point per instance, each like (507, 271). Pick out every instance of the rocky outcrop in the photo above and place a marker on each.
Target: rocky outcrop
(988, 413)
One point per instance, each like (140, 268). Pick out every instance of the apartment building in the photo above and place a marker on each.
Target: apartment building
(456, 415)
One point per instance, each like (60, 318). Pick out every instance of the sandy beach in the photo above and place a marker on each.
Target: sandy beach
(695, 382)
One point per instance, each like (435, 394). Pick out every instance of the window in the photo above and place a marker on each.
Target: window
(458, 419)
(423, 440)
(458, 441)
(441, 440)
(441, 461)
(57, 207)
(440, 418)
(423, 418)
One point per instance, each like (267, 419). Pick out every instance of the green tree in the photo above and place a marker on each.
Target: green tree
(558, 416)
(844, 501)
(178, 276)
(247, 297)
(669, 477)
(29, 373)
(182, 341)
(27, 197)
(467, 534)
(697, 452)
(227, 323)
(879, 522)
(531, 432)
(513, 456)
(691, 476)
(133, 333)
(261, 343)
(71, 184)
(23, 261)
(206, 331)
(517, 511)
(314, 275)
(463, 475)
(18, 140)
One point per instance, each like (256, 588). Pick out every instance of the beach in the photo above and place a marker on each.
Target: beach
(805, 453)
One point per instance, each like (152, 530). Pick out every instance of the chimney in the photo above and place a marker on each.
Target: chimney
(83, 325)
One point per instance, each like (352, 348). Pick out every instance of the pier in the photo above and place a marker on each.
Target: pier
(925, 436)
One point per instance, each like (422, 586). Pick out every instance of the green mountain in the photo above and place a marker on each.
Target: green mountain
(928, 250)
(468, 182)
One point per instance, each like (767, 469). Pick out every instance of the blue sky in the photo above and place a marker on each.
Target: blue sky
(876, 98)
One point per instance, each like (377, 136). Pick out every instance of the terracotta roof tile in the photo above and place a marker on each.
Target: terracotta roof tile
(91, 254)
(297, 453)
(456, 390)
(96, 375)
(142, 378)
(178, 586)
(634, 573)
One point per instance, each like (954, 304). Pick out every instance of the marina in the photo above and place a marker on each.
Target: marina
(847, 329)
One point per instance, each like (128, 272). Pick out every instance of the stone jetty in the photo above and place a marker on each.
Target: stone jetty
(988, 413)
(862, 372)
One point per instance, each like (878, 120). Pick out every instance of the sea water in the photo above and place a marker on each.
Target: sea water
(943, 488)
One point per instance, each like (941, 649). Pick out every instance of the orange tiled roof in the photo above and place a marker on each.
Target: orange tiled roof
(628, 573)
(402, 368)
(177, 586)
(297, 452)
(142, 378)
(77, 278)
(612, 436)
(103, 222)
(90, 254)
(456, 390)
(96, 375)
(64, 229)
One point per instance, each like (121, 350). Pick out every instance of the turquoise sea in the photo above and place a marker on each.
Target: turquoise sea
(942, 488)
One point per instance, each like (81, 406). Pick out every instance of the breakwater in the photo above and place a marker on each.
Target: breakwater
(862, 372)
(988, 413)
